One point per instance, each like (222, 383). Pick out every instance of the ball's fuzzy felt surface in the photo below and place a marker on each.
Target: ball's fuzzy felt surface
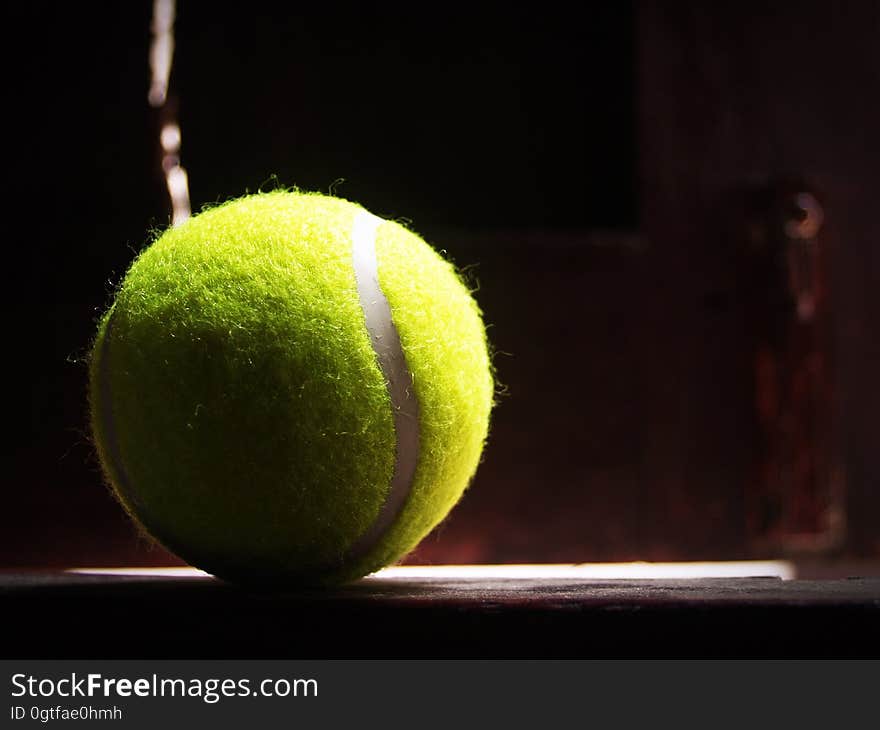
(236, 402)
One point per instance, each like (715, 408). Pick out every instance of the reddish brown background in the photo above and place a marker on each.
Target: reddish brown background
(627, 426)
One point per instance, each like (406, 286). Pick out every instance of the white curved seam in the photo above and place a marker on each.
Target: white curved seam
(385, 340)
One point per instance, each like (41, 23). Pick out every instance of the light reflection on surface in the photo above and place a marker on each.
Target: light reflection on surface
(579, 571)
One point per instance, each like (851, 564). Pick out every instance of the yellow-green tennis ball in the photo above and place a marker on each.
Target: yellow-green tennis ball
(290, 389)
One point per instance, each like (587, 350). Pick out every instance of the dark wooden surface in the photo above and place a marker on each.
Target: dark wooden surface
(58, 615)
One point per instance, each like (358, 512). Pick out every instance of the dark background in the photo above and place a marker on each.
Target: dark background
(588, 167)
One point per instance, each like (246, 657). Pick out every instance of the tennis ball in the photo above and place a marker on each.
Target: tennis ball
(289, 389)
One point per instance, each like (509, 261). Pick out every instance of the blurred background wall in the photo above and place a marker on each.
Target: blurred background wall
(668, 210)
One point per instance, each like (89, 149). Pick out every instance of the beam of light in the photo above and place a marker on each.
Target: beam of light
(178, 191)
(175, 176)
(161, 51)
(596, 571)
(161, 55)
(169, 138)
(581, 571)
(180, 572)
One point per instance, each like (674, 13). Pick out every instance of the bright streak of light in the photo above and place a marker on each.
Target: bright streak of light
(175, 176)
(161, 51)
(583, 571)
(182, 572)
(161, 55)
(178, 190)
(169, 138)
(603, 571)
